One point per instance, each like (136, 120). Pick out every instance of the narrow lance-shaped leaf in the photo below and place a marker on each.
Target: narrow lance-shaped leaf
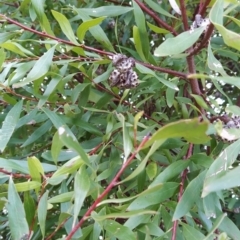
(190, 196)
(177, 45)
(85, 26)
(72, 143)
(110, 11)
(40, 68)
(191, 129)
(16, 214)
(127, 143)
(230, 38)
(81, 187)
(9, 125)
(42, 212)
(213, 63)
(65, 26)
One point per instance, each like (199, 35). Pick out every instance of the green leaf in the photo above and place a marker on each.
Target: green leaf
(38, 6)
(49, 90)
(29, 207)
(16, 48)
(110, 11)
(200, 101)
(81, 188)
(157, 29)
(65, 26)
(123, 200)
(141, 24)
(6, 36)
(230, 38)
(2, 57)
(40, 68)
(177, 45)
(137, 43)
(191, 233)
(150, 72)
(39, 132)
(118, 231)
(191, 129)
(123, 215)
(224, 180)
(35, 169)
(213, 63)
(27, 186)
(157, 8)
(170, 172)
(56, 147)
(127, 143)
(69, 167)
(85, 26)
(72, 143)
(64, 197)
(13, 164)
(233, 109)
(58, 121)
(155, 197)
(151, 170)
(219, 176)
(16, 215)
(230, 228)
(190, 196)
(42, 212)
(9, 125)
(97, 32)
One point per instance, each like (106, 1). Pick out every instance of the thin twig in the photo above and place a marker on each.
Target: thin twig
(205, 40)
(108, 189)
(184, 175)
(158, 20)
(190, 60)
(101, 52)
(203, 7)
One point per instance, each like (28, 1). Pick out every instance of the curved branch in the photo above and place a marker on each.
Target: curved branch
(101, 52)
(206, 38)
(158, 20)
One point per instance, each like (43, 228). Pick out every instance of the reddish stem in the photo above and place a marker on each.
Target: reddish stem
(190, 60)
(108, 189)
(205, 40)
(158, 20)
(184, 175)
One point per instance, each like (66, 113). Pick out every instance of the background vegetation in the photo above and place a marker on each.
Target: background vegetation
(83, 159)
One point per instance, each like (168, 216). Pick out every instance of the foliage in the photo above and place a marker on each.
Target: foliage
(86, 158)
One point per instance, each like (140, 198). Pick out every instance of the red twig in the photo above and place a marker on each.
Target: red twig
(190, 60)
(43, 34)
(158, 20)
(101, 52)
(184, 174)
(206, 38)
(203, 7)
(108, 189)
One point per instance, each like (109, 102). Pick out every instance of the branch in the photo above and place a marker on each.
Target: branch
(165, 70)
(181, 190)
(43, 34)
(184, 15)
(203, 7)
(158, 20)
(190, 60)
(108, 189)
(206, 38)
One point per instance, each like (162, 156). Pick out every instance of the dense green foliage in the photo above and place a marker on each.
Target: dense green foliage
(84, 157)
